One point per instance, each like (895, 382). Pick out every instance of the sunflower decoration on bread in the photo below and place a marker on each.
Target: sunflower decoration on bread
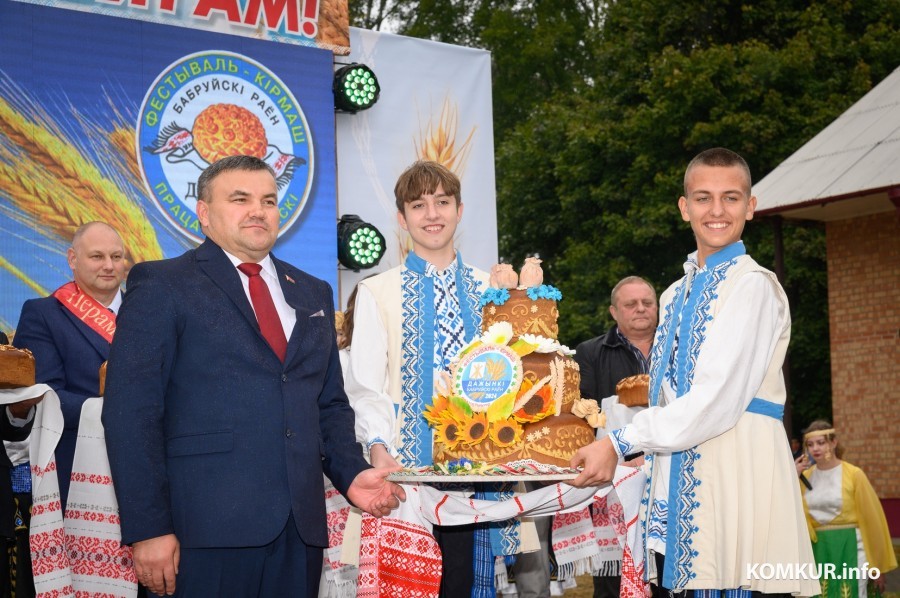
(448, 432)
(506, 432)
(475, 429)
(535, 403)
(485, 398)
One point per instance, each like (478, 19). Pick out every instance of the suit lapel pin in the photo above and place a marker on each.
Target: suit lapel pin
(289, 279)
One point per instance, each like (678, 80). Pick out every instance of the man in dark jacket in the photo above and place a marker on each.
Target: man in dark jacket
(224, 405)
(625, 349)
(70, 331)
(622, 352)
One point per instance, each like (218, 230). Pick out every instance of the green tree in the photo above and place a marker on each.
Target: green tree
(539, 47)
(372, 14)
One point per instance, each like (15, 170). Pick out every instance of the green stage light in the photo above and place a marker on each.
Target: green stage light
(360, 245)
(355, 88)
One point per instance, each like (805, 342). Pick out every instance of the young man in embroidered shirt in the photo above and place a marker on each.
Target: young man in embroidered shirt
(409, 322)
(723, 495)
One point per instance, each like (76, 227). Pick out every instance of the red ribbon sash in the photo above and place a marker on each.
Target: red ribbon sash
(98, 318)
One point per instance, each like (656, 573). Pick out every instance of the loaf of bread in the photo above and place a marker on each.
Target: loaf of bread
(16, 367)
(634, 391)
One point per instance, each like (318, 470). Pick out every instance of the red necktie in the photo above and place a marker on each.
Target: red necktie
(269, 322)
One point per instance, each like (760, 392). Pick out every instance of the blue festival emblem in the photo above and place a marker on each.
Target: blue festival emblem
(486, 374)
(212, 105)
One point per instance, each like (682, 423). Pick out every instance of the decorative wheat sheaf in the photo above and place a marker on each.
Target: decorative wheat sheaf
(438, 141)
(56, 184)
(122, 141)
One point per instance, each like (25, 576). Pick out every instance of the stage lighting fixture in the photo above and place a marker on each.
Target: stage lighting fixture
(355, 88)
(360, 244)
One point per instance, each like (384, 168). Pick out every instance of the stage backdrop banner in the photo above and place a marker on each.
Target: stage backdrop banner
(317, 23)
(111, 119)
(435, 104)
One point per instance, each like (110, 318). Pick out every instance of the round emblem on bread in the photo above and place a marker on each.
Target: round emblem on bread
(487, 373)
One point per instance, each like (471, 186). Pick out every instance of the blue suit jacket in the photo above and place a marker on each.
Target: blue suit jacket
(210, 436)
(67, 357)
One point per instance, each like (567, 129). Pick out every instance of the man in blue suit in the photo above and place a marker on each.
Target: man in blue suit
(70, 331)
(224, 405)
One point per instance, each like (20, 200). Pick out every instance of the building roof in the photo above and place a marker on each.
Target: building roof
(851, 168)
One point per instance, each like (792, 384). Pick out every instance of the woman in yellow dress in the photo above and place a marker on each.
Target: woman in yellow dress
(846, 522)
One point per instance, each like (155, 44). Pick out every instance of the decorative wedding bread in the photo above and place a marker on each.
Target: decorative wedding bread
(511, 392)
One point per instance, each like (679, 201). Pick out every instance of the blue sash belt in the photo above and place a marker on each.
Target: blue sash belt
(764, 407)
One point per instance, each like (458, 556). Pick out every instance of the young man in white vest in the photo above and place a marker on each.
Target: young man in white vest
(724, 498)
(408, 323)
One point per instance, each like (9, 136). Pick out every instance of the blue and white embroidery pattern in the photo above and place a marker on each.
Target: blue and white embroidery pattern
(679, 339)
(682, 522)
(449, 334)
(656, 528)
(430, 337)
(624, 447)
(658, 354)
(412, 356)
(472, 312)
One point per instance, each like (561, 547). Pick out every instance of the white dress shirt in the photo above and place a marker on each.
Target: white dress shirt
(285, 312)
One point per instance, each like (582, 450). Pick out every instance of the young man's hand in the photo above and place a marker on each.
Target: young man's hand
(599, 460)
(380, 457)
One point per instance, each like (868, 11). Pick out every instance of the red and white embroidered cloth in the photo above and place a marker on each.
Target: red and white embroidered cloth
(100, 564)
(575, 544)
(398, 557)
(404, 543)
(585, 542)
(609, 521)
(52, 576)
(82, 556)
(338, 579)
